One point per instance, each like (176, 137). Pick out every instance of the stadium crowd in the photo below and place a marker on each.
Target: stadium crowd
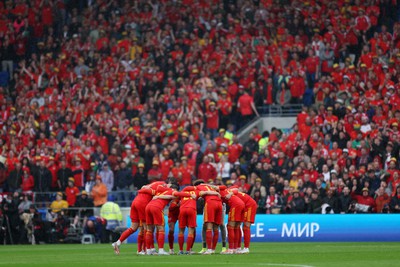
(99, 98)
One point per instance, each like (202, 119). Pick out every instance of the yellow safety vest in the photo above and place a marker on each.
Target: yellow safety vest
(229, 136)
(111, 211)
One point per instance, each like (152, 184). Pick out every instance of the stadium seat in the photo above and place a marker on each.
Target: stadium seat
(88, 239)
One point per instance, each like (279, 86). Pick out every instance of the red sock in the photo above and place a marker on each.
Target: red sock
(161, 239)
(215, 238)
(236, 242)
(231, 237)
(209, 237)
(148, 240)
(238, 237)
(144, 242)
(194, 238)
(140, 241)
(181, 240)
(126, 234)
(152, 240)
(171, 240)
(246, 235)
(190, 241)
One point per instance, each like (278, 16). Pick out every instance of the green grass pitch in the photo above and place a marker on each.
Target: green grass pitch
(262, 254)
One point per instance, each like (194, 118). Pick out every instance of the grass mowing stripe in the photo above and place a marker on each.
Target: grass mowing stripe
(262, 254)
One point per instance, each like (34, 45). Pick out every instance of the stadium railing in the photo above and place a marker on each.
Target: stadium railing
(44, 199)
(290, 110)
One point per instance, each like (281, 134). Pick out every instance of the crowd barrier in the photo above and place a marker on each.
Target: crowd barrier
(303, 227)
(44, 199)
(315, 228)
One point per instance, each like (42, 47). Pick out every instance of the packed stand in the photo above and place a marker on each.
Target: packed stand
(106, 96)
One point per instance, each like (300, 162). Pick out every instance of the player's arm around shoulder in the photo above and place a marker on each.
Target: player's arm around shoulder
(183, 194)
(209, 193)
(147, 190)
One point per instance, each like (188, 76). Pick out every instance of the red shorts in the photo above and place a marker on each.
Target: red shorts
(236, 214)
(173, 216)
(213, 212)
(250, 213)
(187, 218)
(154, 215)
(138, 212)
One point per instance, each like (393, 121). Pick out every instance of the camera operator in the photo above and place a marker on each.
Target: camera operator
(332, 200)
(296, 204)
(344, 200)
(11, 222)
(315, 203)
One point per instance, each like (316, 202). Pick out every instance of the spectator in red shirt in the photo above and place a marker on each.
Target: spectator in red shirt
(27, 183)
(242, 184)
(297, 88)
(52, 166)
(246, 108)
(366, 202)
(212, 119)
(363, 22)
(166, 165)
(312, 68)
(206, 170)
(155, 173)
(71, 192)
(225, 109)
(79, 173)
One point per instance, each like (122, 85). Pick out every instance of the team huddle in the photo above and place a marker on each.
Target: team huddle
(147, 216)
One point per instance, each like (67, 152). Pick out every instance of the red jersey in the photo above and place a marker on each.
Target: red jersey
(79, 172)
(233, 201)
(311, 64)
(187, 148)
(362, 23)
(165, 191)
(212, 119)
(297, 86)
(27, 183)
(145, 197)
(186, 172)
(71, 193)
(154, 173)
(166, 168)
(53, 170)
(235, 150)
(244, 105)
(225, 106)
(369, 201)
(247, 200)
(189, 202)
(221, 140)
(206, 171)
(205, 187)
(301, 118)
